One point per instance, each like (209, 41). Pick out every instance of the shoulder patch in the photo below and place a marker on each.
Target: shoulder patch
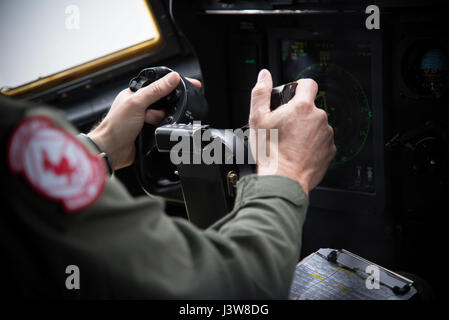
(55, 163)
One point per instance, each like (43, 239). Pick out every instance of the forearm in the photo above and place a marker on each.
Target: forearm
(266, 225)
(251, 253)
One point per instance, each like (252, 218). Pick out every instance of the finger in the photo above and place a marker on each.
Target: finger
(158, 89)
(305, 92)
(195, 82)
(154, 116)
(261, 93)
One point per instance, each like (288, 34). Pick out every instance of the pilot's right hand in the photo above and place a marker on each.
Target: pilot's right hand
(305, 139)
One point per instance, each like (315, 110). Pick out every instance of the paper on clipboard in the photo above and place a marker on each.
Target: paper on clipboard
(318, 279)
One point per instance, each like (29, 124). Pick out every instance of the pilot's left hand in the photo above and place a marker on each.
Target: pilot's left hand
(115, 135)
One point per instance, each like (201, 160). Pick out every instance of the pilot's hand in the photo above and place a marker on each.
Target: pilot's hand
(305, 139)
(115, 135)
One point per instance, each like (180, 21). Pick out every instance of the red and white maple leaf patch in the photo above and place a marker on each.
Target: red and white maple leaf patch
(55, 163)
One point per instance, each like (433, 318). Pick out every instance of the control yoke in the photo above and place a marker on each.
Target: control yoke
(170, 160)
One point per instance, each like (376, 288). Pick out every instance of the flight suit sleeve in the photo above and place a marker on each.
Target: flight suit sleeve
(127, 247)
(250, 253)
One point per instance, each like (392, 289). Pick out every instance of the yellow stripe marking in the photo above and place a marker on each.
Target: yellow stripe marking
(344, 289)
(342, 269)
(317, 276)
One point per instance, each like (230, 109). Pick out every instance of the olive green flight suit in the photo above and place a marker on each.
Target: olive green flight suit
(128, 247)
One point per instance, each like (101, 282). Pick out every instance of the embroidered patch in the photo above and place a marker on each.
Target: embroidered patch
(55, 163)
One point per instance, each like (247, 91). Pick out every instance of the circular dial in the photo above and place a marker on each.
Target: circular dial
(347, 106)
(425, 70)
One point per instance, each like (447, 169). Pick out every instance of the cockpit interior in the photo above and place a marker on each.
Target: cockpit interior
(383, 81)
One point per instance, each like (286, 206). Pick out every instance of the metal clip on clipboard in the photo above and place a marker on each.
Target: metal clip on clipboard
(347, 260)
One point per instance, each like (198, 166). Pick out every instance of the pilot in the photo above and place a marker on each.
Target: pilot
(69, 231)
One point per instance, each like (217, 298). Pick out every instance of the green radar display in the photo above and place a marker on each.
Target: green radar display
(342, 69)
(350, 121)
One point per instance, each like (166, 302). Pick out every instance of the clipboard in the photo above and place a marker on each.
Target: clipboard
(352, 262)
(337, 274)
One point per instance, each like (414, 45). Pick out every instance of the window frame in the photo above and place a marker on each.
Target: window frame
(91, 68)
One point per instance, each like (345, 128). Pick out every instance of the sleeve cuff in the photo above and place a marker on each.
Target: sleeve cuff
(254, 186)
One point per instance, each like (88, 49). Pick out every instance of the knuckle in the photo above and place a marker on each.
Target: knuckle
(125, 92)
(124, 95)
(157, 88)
(322, 114)
(133, 100)
(258, 90)
(331, 132)
(304, 104)
(314, 84)
(333, 150)
(309, 82)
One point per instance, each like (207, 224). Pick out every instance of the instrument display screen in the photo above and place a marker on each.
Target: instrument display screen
(343, 73)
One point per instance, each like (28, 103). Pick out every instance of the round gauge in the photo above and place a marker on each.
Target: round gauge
(425, 69)
(347, 106)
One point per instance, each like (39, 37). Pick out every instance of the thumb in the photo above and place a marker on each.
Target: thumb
(157, 90)
(261, 94)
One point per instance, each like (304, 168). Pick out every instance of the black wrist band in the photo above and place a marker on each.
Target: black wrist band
(101, 153)
(106, 159)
